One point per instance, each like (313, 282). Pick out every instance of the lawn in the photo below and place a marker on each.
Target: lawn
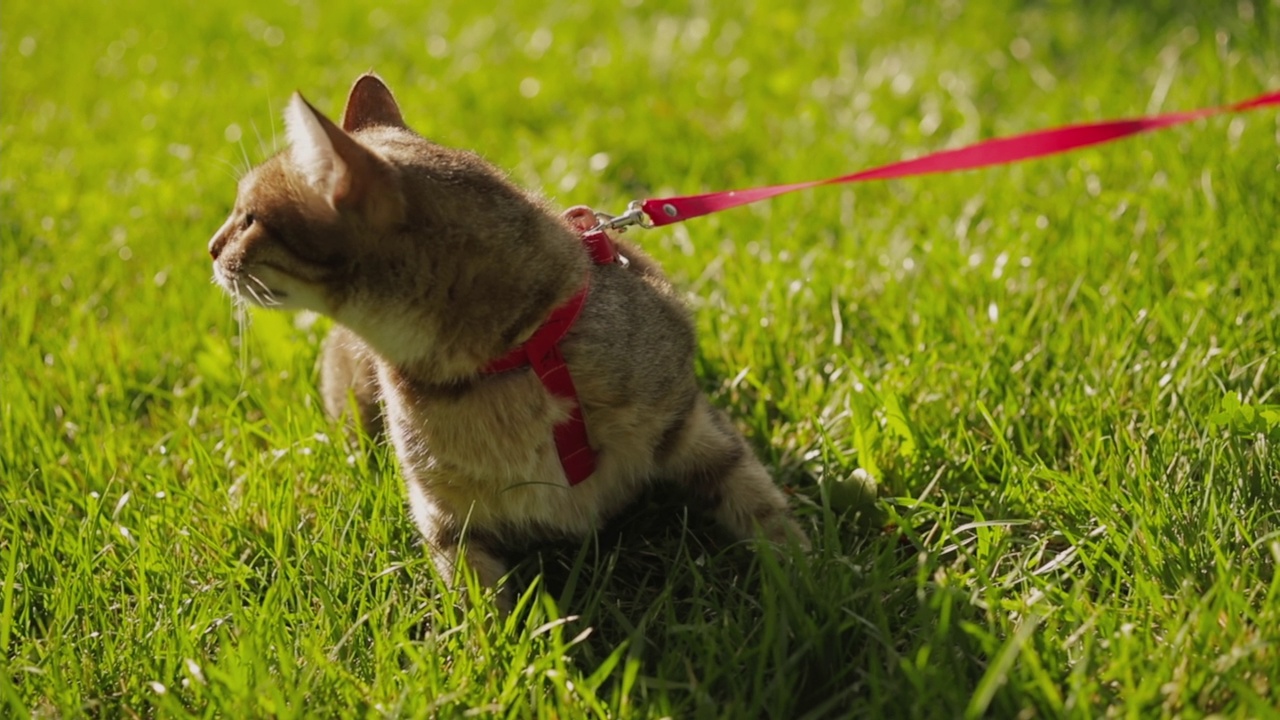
(1063, 374)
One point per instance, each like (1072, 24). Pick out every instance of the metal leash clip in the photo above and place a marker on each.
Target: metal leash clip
(633, 216)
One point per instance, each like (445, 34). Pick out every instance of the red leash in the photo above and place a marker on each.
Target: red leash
(997, 151)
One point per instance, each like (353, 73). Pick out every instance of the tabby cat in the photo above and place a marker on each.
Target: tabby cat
(433, 265)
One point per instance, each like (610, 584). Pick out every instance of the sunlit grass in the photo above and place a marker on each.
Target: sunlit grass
(1063, 374)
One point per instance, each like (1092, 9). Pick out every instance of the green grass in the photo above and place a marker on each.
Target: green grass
(1064, 373)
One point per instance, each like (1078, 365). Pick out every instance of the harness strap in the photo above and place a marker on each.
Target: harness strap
(542, 353)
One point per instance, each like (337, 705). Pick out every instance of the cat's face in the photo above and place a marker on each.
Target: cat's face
(280, 247)
(309, 220)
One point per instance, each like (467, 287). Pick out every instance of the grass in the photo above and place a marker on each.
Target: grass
(1063, 374)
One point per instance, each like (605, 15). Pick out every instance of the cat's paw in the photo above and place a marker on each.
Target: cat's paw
(784, 532)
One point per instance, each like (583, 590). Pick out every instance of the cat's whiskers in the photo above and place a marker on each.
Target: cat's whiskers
(262, 150)
(252, 293)
(270, 297)
(237, 296)
(271, 112)
(248, 164)
(230, 168)
(240, 312)
(255, 295)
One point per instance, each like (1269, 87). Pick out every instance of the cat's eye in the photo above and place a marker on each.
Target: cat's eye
(248, 221)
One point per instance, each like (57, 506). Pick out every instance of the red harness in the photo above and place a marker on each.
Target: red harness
(542, 352)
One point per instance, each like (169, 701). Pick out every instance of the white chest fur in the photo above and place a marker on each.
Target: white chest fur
(487, 457)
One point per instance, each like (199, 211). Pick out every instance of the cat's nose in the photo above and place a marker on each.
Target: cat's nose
(218, 242)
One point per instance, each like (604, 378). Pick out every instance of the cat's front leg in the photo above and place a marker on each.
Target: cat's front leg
(454, 555)
(455, 546)
(347, 369)
(712, 459)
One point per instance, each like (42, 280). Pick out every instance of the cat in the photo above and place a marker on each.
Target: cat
(432, 265)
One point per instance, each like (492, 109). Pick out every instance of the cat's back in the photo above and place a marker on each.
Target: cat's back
(631, 355)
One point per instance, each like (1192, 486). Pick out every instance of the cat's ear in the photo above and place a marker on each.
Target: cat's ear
(344, 174)
(371, 103)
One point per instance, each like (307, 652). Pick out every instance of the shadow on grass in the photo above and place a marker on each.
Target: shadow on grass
(733, 630)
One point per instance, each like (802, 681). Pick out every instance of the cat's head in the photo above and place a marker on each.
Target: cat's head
(402, 240)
